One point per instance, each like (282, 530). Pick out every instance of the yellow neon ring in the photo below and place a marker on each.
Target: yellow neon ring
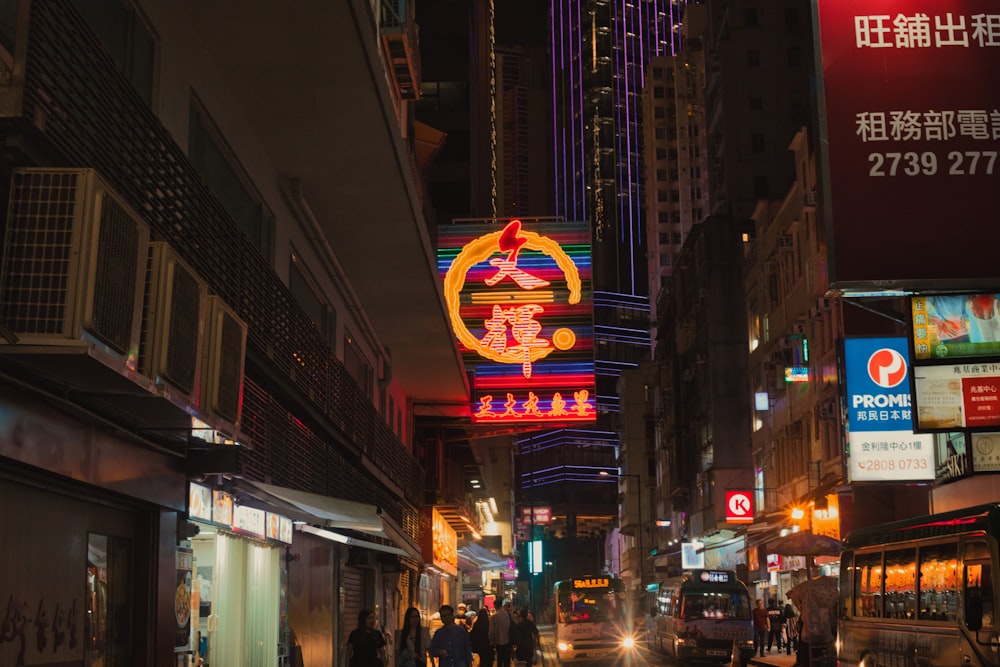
(482, 249)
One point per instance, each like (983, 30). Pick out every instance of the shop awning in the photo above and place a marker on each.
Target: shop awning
(482, 558)
(326, 511)
(334, 536)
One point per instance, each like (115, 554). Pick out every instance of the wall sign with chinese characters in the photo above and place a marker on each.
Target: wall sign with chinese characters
(519, 299)
(958, 396)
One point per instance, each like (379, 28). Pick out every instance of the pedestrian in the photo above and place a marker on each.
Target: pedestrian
(365, 644)
(412, 641)
(527, 639)
(450, 643)
(791, 633)
(461, 617)
(760, 627)
(479, 637)
(650, 622)
(775, 621)
(501, 634)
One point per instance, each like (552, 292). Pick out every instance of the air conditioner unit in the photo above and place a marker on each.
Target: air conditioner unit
(799, 328)
(173, 324)
(222, 368)
(73, 264)
(785, 242)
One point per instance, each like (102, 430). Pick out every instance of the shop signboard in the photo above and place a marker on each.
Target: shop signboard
(954, 326)
(909, 139)
(957, 396)
(182, 599)
(883, 446)
(438, 541)
(520, 304)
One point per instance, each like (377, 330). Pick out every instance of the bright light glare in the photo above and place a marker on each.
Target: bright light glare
(628, 642)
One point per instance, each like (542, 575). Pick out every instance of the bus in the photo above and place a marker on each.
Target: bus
(704, 616)
(921, 591)
(592, 622)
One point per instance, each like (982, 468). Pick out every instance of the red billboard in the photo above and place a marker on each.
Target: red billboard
(911, 126)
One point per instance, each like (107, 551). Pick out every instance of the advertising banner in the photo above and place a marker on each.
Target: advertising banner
(949, 326)
(520, 302)
(882, 444)
(957, 396)
(911, 136)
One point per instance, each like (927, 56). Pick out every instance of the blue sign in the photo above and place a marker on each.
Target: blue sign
(878, 385)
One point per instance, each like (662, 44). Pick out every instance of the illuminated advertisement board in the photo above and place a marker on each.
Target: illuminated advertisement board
(882, 444)
(948, 326)
(520, 303)
(910, 138)
(957, 396)
(438, 541)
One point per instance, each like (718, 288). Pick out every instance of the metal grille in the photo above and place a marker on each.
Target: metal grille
(115, 276)
(38, 247)
(75, 95)
(230, 368)
(185, 320)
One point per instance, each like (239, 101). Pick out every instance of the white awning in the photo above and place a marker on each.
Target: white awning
(482, 558)
(326, 511)
(350, 541)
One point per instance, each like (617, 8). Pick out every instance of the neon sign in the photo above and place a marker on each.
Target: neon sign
(519, 302)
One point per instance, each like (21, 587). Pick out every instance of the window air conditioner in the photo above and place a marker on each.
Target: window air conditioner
(222, 369)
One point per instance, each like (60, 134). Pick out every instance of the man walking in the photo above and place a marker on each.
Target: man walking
(776, 621)
(450, 644)
(501, 631)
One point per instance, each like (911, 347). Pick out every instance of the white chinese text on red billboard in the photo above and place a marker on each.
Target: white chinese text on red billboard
(520, 303)
(912, 132)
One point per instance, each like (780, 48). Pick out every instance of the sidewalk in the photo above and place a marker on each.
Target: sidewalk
(775, 657)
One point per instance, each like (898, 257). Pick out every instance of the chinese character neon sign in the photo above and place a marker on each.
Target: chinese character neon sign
(519, 303)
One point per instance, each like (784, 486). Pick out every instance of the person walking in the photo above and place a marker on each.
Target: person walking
(791, 629)
(501, 632)
(450, 643)
(775, 621)
(526, 642)
(365, 644)
(412, 641)
(479, 637)
(760, 627)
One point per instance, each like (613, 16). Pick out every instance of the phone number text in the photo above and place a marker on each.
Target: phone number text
(911, 163)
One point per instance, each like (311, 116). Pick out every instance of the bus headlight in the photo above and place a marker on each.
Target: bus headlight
(628, 642)
(563, 647)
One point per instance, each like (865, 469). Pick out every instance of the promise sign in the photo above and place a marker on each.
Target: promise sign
(520, 303)
(911, 134)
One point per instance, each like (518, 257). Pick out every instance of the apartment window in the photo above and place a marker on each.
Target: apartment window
(662, 216)
(756, 103)
(791, 19)
(757, 143)
(661, 153)
(661, 133)
(675, 216)
(753, 58)
(750, 17)
(677, 238)
(661, 174)
(357, 366)
(659, 112)
(661, 195)
(664, 259)
(305, 290)
(658, 92)
(219, 168)
(127, 37)
(657, 72)
(664, 237)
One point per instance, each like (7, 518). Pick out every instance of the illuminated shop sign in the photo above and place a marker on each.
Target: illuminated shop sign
(797, 374)
(218, 507)
(949, 326)
(883, 446)
(958, 396)
(520, 303)
(438, 541)
(910, 145)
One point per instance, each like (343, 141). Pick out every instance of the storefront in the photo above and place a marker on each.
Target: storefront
(237, 580)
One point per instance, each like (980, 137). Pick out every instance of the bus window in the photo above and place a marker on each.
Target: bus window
(979, 581)
(868, 585)
(938, 579)
(715, 605)
(901, 583)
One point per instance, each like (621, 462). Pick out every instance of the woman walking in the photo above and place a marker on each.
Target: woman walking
(412, 641)
(365, 644)
(479, 636)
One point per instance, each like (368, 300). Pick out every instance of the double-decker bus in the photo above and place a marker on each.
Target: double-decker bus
(921, 591)
(704, 616)
(592, 621)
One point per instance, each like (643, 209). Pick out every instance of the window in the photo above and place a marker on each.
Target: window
(357, 366)
(938, 579)
(868, 585)
(658, 92)
(659, 112)
(303, 287)
(661, 133)
(664, 237)
(661, 174)
(978, 581)
(661, 153)
(664, 259)
(220, 170)
(662, 216)
(753, 58)
(661, 195)
(756, 143)
(794, 56)
(127, 38)
(901, 584)
(750, 17)
(657, 72)
(760, 186)
(791, 19)
(756, 103)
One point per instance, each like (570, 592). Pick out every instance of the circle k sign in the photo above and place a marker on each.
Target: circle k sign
(739, 506)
